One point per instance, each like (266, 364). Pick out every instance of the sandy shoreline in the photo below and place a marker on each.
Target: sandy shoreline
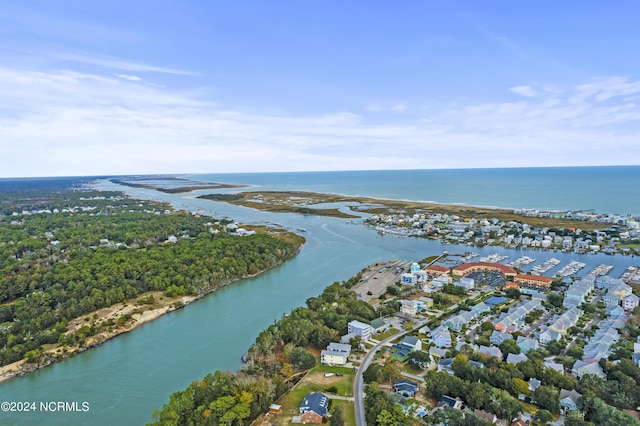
(119, 310)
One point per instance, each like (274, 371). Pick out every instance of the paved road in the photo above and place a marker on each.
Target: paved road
(358, 384)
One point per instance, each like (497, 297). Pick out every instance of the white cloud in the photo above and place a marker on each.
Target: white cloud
(71, 123)
(115, 63)
(128, 77)
(526, 91)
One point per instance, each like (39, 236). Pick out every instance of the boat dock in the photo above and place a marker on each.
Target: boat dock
(570, 269)
(631, 275)
(546, 266)
(601, 269)
(493, 258)
(522, 261)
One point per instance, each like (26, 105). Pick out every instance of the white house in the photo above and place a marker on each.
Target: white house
(409, 307)
(361, 329)
(630, 302)
(328, 357)
(412, 342)
(466, 283)
(441, 336)
(335, 354)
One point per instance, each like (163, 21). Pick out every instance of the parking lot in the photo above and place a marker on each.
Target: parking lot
(377, 278)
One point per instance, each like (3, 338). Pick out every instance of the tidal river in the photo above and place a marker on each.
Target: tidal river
(125, 379)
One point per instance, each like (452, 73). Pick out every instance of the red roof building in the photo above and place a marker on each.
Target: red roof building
(467, 268)
(533, 280)
(436, 270)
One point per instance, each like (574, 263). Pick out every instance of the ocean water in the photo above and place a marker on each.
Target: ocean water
(614, 189)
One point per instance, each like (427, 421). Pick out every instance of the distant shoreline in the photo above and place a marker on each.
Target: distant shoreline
(189, 185)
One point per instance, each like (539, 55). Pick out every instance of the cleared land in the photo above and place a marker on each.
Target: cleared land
(312, 382)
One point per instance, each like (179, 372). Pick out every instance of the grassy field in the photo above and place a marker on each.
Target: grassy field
(381, 336)
(315, 381)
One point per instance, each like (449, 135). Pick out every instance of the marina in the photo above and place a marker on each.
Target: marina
(601, 269)
(631, 275)
(521, 261)
(545, 267)
(493, 258)
(571, 269)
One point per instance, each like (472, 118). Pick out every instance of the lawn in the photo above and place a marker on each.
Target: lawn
(316, 381)
(381, 336)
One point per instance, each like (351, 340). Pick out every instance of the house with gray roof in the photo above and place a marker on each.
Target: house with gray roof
(516, 358)
(526, 344)
(314, 407)
(441, 336)
(412, 342)
(491, 351)
(497, 337)
(630, 302)
(456, 322)
(581, 368)
(569, 400)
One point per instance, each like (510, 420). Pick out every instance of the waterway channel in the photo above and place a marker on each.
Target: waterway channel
(125, 379)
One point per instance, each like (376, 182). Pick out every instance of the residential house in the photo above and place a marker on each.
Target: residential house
(480, 308)
(549, 363)
(437, 353)
(314, 407)
(409, 307)
(456, 322)
(549, 336)
(577, 293)
(441, 336)
(347, 337)
(487, 417)
(621, 289)
(466, 283)
(447, 401)
(335, 354)
(412, 342)
(378, 325)
(526, 344)
(406, 388)
(560, 326)
(446, 365)
(630, 302)
(490, 351)
(361, 329)
(569, 400)
(516, 358)
(580, 368)
(611, 300)
(408, 279)
(534, 384)
(441, 281)
(497, 337)
(513, 319)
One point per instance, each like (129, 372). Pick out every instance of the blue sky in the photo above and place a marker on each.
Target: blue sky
(250, 86)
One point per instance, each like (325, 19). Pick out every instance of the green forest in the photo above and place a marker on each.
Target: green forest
(67, 253)
(279, 352)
